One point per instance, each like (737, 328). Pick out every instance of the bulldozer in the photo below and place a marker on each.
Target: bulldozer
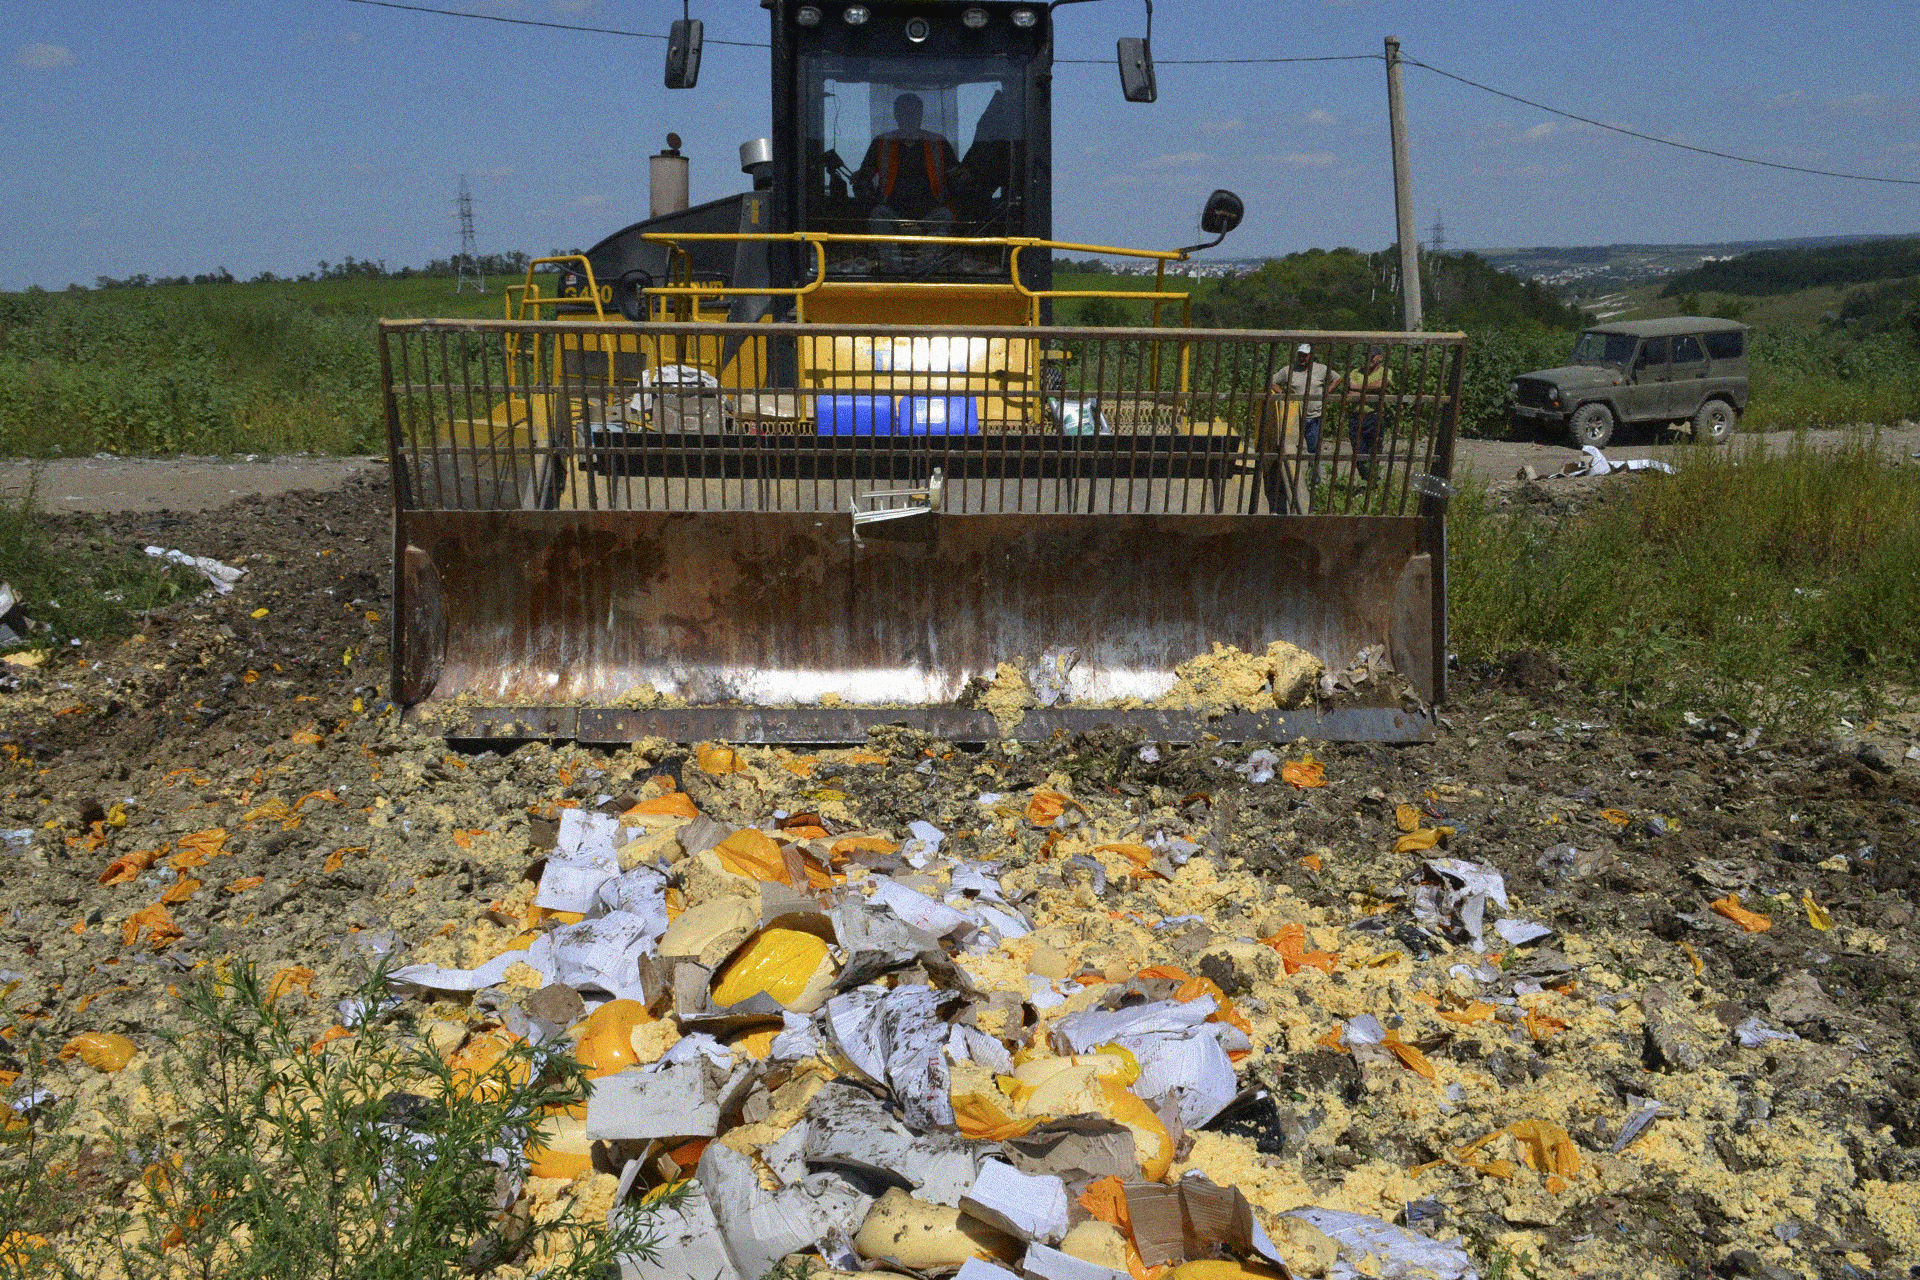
(816, 457)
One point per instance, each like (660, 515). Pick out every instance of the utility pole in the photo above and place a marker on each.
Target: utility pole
(1403, 192)
(466, 267)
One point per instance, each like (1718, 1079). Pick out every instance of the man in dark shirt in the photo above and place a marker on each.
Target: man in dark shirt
(908, 173)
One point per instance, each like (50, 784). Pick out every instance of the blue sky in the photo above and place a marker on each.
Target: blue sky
(180, 137)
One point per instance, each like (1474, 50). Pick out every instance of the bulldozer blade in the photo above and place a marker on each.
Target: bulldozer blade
(803, 627)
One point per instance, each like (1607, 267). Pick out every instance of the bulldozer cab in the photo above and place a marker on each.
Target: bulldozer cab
(948, 136)
(789, 464)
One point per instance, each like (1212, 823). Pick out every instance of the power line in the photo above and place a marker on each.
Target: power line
(1223, 62)
(1665, 142)
(533, 22)
(756, 44)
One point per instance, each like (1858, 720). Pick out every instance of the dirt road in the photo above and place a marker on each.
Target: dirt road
(105, 484)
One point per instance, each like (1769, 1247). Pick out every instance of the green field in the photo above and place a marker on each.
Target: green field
(292, 366)
(284, 367)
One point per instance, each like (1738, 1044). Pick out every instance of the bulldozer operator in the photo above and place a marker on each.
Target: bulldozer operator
(909, 173)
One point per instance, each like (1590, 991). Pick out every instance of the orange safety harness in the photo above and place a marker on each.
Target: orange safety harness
(890, 166)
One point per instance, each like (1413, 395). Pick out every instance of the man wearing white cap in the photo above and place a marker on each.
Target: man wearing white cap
(1305, 381)
(1301, 389)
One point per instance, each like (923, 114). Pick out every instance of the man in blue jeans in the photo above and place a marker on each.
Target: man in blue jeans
(1302, 391)
(1365, 393)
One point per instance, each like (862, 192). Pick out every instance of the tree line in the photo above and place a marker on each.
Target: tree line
(1770, 271)
(513, 263)
(1346, 289)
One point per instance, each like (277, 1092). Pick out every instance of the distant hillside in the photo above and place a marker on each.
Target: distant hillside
(1775, 271)
(1589, 271)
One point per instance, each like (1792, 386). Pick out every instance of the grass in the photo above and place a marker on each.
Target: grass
(260, 1152)
(207, 369)
(85, 591)
(1771, 589)
(292, 367)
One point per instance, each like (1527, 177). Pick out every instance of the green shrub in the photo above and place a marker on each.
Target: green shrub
(263, 1154)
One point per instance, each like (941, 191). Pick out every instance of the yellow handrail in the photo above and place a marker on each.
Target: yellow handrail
(528, 294)
(798, 292)
(820, 239)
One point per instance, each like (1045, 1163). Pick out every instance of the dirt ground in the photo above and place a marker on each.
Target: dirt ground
(261, 715)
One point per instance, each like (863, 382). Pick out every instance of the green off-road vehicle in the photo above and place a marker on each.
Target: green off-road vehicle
(1683, 369)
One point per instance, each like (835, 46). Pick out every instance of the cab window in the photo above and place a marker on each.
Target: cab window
(1653, 354)
(914, 147)
(1686, 350)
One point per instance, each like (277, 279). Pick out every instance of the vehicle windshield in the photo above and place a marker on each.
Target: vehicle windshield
(915, 147)
(1598, 347)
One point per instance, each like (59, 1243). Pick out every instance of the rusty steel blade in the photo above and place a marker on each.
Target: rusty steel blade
(770, 609)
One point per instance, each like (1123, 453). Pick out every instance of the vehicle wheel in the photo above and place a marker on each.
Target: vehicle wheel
(1714, 423)
(1592, 424)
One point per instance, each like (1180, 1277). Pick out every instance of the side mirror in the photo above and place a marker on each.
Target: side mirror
(1222, 213)
(1136, 64)
(683, 53)
(1136, 70)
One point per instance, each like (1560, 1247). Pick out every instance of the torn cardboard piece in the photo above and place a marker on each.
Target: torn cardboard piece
(918, 910)
(1194, 1219)
(1191, 1072)
(1028, 1207)
(898, 1038)
(848, 1128)
(1045, 1263)
(640, 892)
(582, 860)
(1452, 898)
(1374, 1248)
(684, 1099)
(976, 1269)
(760, 1227)
(1082, 1032)
(688, 1241)
(1076, 1149)
(611, 953)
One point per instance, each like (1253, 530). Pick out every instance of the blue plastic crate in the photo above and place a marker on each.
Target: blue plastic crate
(855, 415)
(940, 415)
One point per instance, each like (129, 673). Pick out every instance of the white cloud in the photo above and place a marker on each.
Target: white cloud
(1544, 130)
(1308, 159)
(1862, 104)
(1531, 171)
(1791, 98)
(589, 202)
(1175, 160)
(42, 57)
(1317, 116)
(504, 171)
(1234, 125)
